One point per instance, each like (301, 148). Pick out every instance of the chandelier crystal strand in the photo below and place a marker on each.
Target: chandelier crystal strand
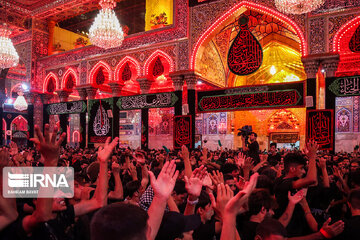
(106, 31)
(20, 103)
(298, 6)
(8, 55)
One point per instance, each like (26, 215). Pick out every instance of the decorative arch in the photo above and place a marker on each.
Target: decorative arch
(76, 136)
(133, 65)
(343, 36)
(153, 59)
(20, 122)
(50, 83)
(283, 120)
(343, 120)
(251, 6)
(107, 72)
(70, 74)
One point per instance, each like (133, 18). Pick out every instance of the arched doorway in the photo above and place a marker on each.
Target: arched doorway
(283, 45)
(19, 131)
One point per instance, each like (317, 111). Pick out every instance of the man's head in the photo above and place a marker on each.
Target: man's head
(270, 229)
(204, 208)
(253, 136)
(132, 190)
(294, 165)
(179, 194)
(354, 165)
(230, 180)
(120, 221)
(261, 204)
(354, 201)
(273, 147)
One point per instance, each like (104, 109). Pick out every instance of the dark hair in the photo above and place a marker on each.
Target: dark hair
(119, 221)
(204, 200)
(270, 227)
(254, 134)
(258, 199)
(180, 187)
(228, 177)
(273, 144)
(228, 168)
(266, 183)
(293, 159)
(354, 198)
(131, 187)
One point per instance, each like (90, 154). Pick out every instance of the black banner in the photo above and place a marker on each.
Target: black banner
(158, 100)
(320, 127)
(66, 107)
(346, 86)
(182, 131)
(100, 120)
(252, 97)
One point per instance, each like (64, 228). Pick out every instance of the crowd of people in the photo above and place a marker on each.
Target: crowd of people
(187, 194)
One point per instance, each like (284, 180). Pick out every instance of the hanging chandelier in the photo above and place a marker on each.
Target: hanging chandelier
(106, 31)
(20, 103)
(298, 6)
(8, 55)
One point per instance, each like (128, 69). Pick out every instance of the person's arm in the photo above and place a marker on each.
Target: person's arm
(144, 178)
(326, 232)
(118, 192)
(322, 164)
(244, 147)
(100, 196)
(308, 215)
(311, 176)
(193, 186)
(49, 149)
(233, 207)
(186, 157)
(248, 165)
(172, 205)
(293, 200)
(162, 186)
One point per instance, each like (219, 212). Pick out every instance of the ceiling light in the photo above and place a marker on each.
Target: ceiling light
(273, 70)
(106, 31)
(8, 55)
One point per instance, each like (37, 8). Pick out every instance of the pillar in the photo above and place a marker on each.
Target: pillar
(144, 87)
(83, 95)
(191, 85)
(63, 95)
(178, 81)
(51, 25)
(91, 92)
(46, 100)
(116, 88)
(311, 66)
(64, 122)
(30, 99)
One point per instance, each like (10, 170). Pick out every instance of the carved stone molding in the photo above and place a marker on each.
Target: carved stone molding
(46, 97)
(330, 64)
(91, 92)
(63, 95)
(190, 79)
(144, 85)
(116, 88)
(311, 66)
(82, 93)
(178, 81)
(30, 97)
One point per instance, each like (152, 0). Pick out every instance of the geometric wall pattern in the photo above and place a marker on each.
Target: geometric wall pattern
(347, 114)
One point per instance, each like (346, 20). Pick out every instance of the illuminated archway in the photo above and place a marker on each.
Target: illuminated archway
(133, 65)
(70, 75)
(104, 70)
(76, 137)
(238, 10)
(283, 120)
(19, 124)
(50, 83)
(166, 61)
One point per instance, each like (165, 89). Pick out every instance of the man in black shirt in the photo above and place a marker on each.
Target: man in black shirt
(274, 157)
(252, 147)
(352, 224)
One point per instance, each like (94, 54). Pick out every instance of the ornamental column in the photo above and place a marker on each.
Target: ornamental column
(144, 87)
(191, 85)
(83, 130)
(91, 92)
(63, 95)
(178, 81)
(30, 99)
(311, 66)
(330, 65)
(116, 88)
(46, 97)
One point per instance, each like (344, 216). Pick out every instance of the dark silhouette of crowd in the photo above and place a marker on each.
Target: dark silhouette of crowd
(226, 194)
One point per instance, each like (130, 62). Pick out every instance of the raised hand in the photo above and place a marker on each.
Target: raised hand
(224, 194)
(322, 162)
(104, 152)
(47, 145)
(115, 168)
(164, 184)
(217, 177)
(311, 149)
(248, 164)
(332, 230)
(194, 184)
(185, 152)
(297, 197)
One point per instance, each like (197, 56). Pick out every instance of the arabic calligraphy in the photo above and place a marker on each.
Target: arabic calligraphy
(320, 128)
(182, 131)
(349, 86)
(147, 101)
(67, 107)
(250, 100)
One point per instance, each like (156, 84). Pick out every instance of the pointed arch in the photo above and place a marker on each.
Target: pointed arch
(69, 71)
(134, 66)
(20, 122)
(166, 60)
(346, 31)
(50, 77)
(107, 73)
(76, 134)
(252, 6)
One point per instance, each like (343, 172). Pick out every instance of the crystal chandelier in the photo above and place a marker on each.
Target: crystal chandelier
(106, 31)
(20, 103)
(8, 55)
(298, 6)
